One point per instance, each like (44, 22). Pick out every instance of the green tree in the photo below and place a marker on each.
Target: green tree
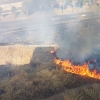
(84, 1)
(92, 1)
(0, 10)
(26, 6)
(68, 1)
(87, 1)
(46, 4)
(13, 10)
(29, 6)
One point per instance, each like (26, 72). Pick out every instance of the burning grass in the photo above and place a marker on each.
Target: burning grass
(78, 69)
(40, 80)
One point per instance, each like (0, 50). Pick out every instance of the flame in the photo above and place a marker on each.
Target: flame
(77, 69)
(52, 51)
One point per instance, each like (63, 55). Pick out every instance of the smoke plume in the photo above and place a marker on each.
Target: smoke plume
(79, 42)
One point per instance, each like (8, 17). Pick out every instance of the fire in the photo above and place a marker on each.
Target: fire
(77, 69)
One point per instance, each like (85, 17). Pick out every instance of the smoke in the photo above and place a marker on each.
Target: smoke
(35, 30)
(79, 42)
(44, 33)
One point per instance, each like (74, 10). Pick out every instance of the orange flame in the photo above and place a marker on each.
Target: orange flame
(77, 69)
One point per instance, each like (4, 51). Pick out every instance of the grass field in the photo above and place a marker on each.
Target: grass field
(43, 80)
(29, 73)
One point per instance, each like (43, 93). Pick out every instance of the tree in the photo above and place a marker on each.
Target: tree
(92, 1)
(26, 7)
(87, 1)
(13, 10)
(0, 10)
(30, 6)
(46, 4)
(68, 1)
(80, 3)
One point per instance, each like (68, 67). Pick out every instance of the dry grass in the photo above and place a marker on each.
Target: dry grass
(86, 93)
(17, 55)
(35, 83)
(44, 81)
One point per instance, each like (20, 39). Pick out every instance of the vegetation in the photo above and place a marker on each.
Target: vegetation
(30, 6)
(43, 80)
(27, 6)
(85, 93)
(68, 1)
(13, 10)
(0, 10)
